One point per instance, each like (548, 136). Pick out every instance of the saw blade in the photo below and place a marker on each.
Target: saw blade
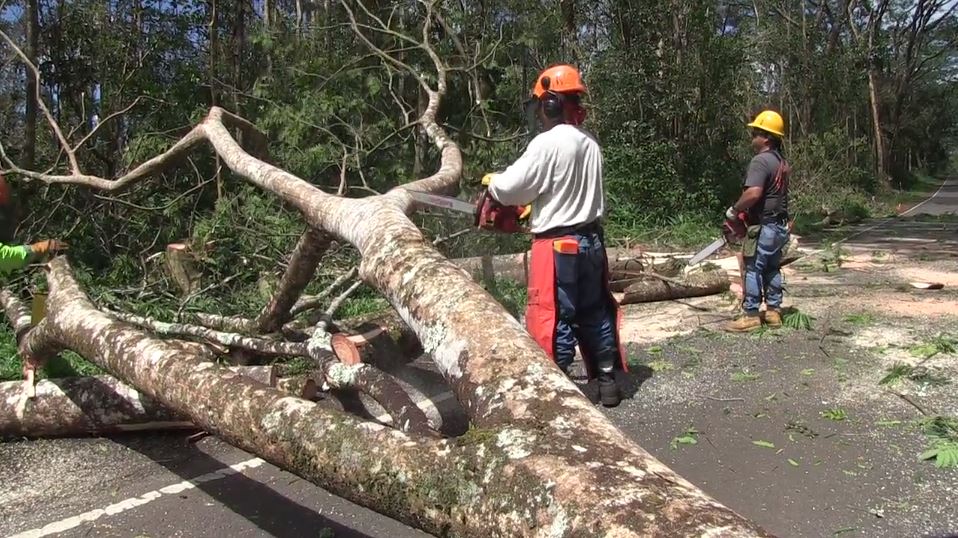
(444, 202)
(712, 248)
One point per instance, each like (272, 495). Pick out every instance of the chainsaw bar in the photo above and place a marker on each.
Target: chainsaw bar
(712, 248)
(444, 202)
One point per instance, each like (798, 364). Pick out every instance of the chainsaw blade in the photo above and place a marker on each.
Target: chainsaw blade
(712, 248)
(444, 202)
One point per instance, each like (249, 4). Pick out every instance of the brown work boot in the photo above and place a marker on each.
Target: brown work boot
(743, 324)
(773, 318)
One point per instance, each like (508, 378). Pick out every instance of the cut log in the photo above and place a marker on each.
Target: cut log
(693, 285)
(382, 339)
(182, 267)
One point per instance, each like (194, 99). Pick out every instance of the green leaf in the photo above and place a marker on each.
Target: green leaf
(763, 444)
(792, 462)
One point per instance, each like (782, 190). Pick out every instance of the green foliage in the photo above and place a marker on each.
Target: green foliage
(942, 434)
(836, 414)
(511, 295)
(921, 375)
(744, 376)
(688, 437)
(939, 344)
(860, 318)
(796, 319)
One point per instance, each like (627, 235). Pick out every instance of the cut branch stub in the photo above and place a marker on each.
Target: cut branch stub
(182, 267)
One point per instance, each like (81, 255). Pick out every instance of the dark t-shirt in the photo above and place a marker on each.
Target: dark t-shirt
(769, 171)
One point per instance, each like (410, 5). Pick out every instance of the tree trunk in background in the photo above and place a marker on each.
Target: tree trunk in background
(32, 18)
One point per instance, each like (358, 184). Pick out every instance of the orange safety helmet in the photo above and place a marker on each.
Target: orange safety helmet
(562, 78)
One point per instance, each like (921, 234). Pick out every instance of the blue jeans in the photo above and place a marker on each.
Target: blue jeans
(763, 275)
(585, 316)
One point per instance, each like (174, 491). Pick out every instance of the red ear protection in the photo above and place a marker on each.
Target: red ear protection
(4, 191)
(574, 114)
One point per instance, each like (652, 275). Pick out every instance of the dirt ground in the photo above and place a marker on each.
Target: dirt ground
(791, 427)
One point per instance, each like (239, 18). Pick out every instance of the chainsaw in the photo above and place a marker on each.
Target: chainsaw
(733, 231)
(487, 212)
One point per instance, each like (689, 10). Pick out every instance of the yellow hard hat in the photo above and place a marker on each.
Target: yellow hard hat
(769, 121)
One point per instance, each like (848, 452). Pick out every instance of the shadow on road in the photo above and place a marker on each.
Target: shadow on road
(273, 513)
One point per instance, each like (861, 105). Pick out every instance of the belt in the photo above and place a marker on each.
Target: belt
(587, 228)
(781, 220)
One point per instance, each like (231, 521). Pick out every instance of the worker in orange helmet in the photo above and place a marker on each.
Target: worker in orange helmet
(560, 175)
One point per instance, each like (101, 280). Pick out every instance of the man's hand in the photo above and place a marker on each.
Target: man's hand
(49, 246)
(487, 179)
(731, 213)
(526, 211)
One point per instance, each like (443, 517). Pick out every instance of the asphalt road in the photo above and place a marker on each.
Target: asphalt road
(137, 485)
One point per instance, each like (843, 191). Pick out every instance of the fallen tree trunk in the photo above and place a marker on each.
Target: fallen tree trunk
(99, 405)
(540, 460)
(79, 406)
(653, 289)
(493, 481)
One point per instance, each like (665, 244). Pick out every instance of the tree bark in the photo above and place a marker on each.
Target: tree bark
(79, 406)
(32, 17)
(301, 270)
(98, 405)
(694, 285)
(504, 479)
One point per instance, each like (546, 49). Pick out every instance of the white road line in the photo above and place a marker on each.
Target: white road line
(877, 225)
(127, 504)
(925, 201)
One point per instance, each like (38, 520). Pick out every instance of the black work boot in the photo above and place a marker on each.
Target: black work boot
(608, 390)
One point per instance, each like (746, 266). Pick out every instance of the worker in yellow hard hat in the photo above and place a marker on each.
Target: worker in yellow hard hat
(560, 175)
(764, 200)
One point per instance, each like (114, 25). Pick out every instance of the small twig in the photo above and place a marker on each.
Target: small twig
(714, 399)
(452, 236)
(338, 301)
(908, 400)
(315, 301)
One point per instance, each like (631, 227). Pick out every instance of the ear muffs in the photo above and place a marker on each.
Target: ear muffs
(550, 102)
(552, 105)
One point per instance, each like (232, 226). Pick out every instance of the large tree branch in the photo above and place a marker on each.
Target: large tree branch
(508, 480)
(302, 267)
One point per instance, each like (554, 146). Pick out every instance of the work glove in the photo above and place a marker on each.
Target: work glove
(731, 213)
(526, 211)
(487, 179)
(48, 246)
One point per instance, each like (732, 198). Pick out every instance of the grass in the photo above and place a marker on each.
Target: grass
(687, 230)
(940, 344)
(836, 414)
(66, 364)
(860, 318)
(797, 320)
(923, 376)
(744, 376)
(918, 189)
(510, 294)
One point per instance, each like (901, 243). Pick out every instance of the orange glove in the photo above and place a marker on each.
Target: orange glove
(47, 246)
